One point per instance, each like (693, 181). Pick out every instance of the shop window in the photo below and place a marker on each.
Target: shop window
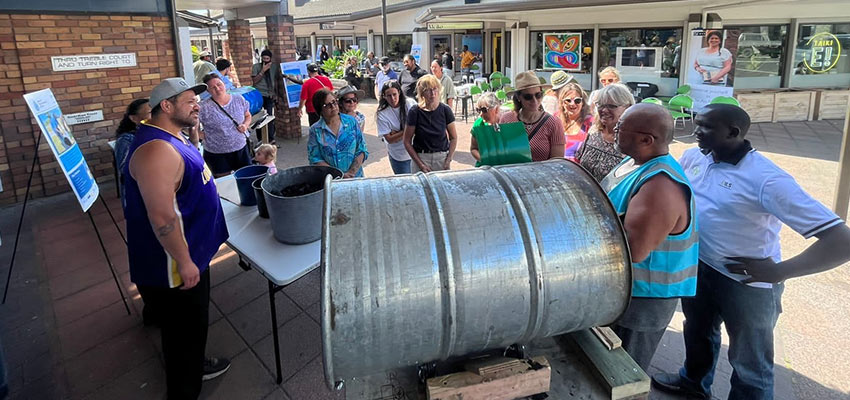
(583, 75)
(302, 46)
(761, 54)
(398, 46)
(324, 41)
(649, 55)
(362, 44)
(820, 59)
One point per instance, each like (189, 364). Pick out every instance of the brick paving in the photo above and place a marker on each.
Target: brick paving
(66, 334)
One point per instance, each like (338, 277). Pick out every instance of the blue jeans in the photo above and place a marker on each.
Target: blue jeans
(750, 315)
(399, 167)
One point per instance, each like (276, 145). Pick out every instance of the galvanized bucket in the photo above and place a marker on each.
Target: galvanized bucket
(424, 267)
(297, 219)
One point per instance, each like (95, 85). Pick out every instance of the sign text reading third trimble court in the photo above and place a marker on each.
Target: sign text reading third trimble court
(93, 61)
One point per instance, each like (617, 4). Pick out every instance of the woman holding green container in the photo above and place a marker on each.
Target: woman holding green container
(488, 106)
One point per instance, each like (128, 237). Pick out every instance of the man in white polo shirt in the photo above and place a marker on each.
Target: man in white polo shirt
(742, 200)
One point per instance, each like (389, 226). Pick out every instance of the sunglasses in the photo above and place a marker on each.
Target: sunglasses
(575, 101)
(482, 110)
(528, 97)
(612, 80)
(607, 106)
(350, 101)
(331, 104)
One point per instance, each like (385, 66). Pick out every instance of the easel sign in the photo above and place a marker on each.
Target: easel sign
(53, 126)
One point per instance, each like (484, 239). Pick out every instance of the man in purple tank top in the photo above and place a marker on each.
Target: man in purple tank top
(174, 227)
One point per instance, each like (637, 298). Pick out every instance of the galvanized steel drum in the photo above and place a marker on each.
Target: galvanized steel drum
(423, 267)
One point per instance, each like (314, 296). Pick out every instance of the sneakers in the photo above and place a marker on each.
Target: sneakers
(672, 383)
(213, 367)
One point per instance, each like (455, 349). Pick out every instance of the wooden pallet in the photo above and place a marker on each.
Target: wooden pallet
(493, 379)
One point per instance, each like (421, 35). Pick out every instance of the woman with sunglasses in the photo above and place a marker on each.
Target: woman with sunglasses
(391, 120)
(348, 98)
(598, 154)
(336, 140)
(545, 132)
(608, 76)
(576, 117)
(488, 107)
(430, 137)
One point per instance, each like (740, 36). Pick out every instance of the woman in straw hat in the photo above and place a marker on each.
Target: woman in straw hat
(545, 132)
(551, 97)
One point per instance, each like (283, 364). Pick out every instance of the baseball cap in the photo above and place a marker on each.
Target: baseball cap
(205, 53)
(171, 87)
(385, 60)
(312, 67)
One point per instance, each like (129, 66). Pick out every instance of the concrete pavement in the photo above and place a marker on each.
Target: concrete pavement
(66, 333)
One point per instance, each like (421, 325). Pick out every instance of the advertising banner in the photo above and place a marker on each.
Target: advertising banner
(562, 51)
(56, 131)
(711, 64)
(298, 70)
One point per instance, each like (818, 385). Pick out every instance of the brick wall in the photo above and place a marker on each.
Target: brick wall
(281, 35)
(241, 49)
(26, 44)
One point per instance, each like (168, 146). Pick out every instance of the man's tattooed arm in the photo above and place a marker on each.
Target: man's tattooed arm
(167, 228)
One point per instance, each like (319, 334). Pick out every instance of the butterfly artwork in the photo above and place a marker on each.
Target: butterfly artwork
(562, 51)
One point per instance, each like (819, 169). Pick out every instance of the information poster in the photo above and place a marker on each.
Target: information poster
(297, 70)
(416, 52)
(56, 131)
(711, 65)
(562, 51)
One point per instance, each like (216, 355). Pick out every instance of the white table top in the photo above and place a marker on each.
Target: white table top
(252, 237)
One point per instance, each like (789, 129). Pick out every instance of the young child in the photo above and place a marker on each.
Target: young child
(265, 154)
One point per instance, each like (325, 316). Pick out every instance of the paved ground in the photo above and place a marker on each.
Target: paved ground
(67, 335)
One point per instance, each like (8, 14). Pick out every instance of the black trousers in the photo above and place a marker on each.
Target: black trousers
(268, 104)
(184, 319)
(313, 117)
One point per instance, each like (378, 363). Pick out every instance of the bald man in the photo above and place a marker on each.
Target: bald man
(653, 196)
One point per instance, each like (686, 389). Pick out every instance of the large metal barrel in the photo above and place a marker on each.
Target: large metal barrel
(424, 267)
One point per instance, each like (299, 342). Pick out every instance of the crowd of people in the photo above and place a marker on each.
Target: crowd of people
(702, 230)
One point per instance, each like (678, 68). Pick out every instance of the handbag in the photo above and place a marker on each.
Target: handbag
(247, 140)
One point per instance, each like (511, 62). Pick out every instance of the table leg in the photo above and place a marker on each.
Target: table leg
(272, 289)
(465, 108)
(264, 131)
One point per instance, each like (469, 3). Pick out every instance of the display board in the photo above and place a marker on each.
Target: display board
(298, 70)
(711, 64)
(55, 129)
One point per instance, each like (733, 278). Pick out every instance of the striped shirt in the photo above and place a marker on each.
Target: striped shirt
(550, 133)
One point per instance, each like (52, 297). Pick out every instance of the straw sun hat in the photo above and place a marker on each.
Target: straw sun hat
(527, 80)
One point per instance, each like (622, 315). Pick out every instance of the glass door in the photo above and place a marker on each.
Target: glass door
(496, 52)
(439, 44)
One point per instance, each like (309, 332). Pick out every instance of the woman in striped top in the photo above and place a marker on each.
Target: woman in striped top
(545, 132)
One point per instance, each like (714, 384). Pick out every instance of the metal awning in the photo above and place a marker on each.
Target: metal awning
(197, 21)
(432, 13)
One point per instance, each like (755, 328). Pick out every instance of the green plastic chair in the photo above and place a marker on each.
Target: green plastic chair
(505, 81)
(652, 100)
(507, 88)
(725, 100)
(495, 83)
(684, 89)
(496, 75)
(485, 87)
(681, 106)
(501, 95)
(475, 91)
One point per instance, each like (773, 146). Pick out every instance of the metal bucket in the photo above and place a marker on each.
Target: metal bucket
(424, 267)
(297, 219)
(262, 211)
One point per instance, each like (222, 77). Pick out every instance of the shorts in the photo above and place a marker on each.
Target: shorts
(224, 163)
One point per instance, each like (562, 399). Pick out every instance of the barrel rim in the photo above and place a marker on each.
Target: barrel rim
(330, 173)
(323, 260)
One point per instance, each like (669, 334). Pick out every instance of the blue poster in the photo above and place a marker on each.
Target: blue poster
(416, 52)
(58, 134)
(474, 43)
(297, 70)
